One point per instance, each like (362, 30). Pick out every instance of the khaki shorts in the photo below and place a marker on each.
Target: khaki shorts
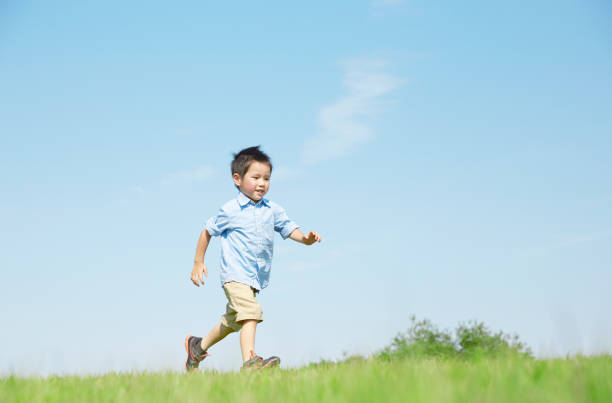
(241, 305)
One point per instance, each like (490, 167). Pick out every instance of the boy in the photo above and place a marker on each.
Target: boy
(246, 225)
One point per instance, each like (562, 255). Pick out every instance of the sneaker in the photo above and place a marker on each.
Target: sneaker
(256, 363)
(273, 361)
(194, 353)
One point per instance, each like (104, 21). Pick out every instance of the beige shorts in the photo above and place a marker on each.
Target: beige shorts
(241, 305)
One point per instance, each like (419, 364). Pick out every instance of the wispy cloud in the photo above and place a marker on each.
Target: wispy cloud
(566, 243)
(325, 256)
(195, 175)
(388, 2)
(342, 124)
(284, 173)
(302, 265)
(380, 8)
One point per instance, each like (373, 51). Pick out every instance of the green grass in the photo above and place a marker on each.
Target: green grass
(423, 364)
(500, 379)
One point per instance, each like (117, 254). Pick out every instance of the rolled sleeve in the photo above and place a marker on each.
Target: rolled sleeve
(282, 224)
(216, 225)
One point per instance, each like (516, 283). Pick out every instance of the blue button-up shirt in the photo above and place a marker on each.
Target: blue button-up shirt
(247, 230)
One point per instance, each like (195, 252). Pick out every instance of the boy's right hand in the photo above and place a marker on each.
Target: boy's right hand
(196, 273)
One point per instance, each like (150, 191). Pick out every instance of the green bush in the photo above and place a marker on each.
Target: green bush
(470, 340)
(475, 339)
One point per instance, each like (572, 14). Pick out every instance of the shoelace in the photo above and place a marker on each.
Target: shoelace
(194, 357)
(255, 356)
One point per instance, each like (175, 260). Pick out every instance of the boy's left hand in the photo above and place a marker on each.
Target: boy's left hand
(311, 238)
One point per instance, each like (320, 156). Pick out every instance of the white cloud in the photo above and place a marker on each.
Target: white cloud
(342, 124)
(195, 175)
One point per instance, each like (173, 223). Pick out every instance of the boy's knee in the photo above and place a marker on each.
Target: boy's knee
(247, 321)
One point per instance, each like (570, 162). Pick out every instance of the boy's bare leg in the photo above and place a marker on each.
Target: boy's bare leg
(218, 333)
(247, 338)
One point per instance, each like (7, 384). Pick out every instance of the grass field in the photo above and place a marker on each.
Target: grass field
(509, 379)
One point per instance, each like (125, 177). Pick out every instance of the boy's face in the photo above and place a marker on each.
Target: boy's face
(255, 182)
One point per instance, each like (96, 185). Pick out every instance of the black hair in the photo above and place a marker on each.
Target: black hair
(242, 161)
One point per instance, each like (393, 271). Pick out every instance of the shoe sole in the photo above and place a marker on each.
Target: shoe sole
(272, 363)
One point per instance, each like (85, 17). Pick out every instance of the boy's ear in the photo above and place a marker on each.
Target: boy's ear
(237, 179)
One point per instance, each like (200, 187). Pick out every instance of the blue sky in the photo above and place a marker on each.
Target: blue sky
(454, 156)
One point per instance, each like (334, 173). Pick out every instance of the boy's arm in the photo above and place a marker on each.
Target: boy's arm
(309, 239)
(198, 262)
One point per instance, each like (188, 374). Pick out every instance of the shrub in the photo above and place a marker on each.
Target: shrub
(470, 340)
(422, 338)
(475, 339)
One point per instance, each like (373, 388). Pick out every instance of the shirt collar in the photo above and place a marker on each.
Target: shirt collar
(243, 200)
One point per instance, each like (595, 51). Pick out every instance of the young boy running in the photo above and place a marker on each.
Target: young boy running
(246, 226)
